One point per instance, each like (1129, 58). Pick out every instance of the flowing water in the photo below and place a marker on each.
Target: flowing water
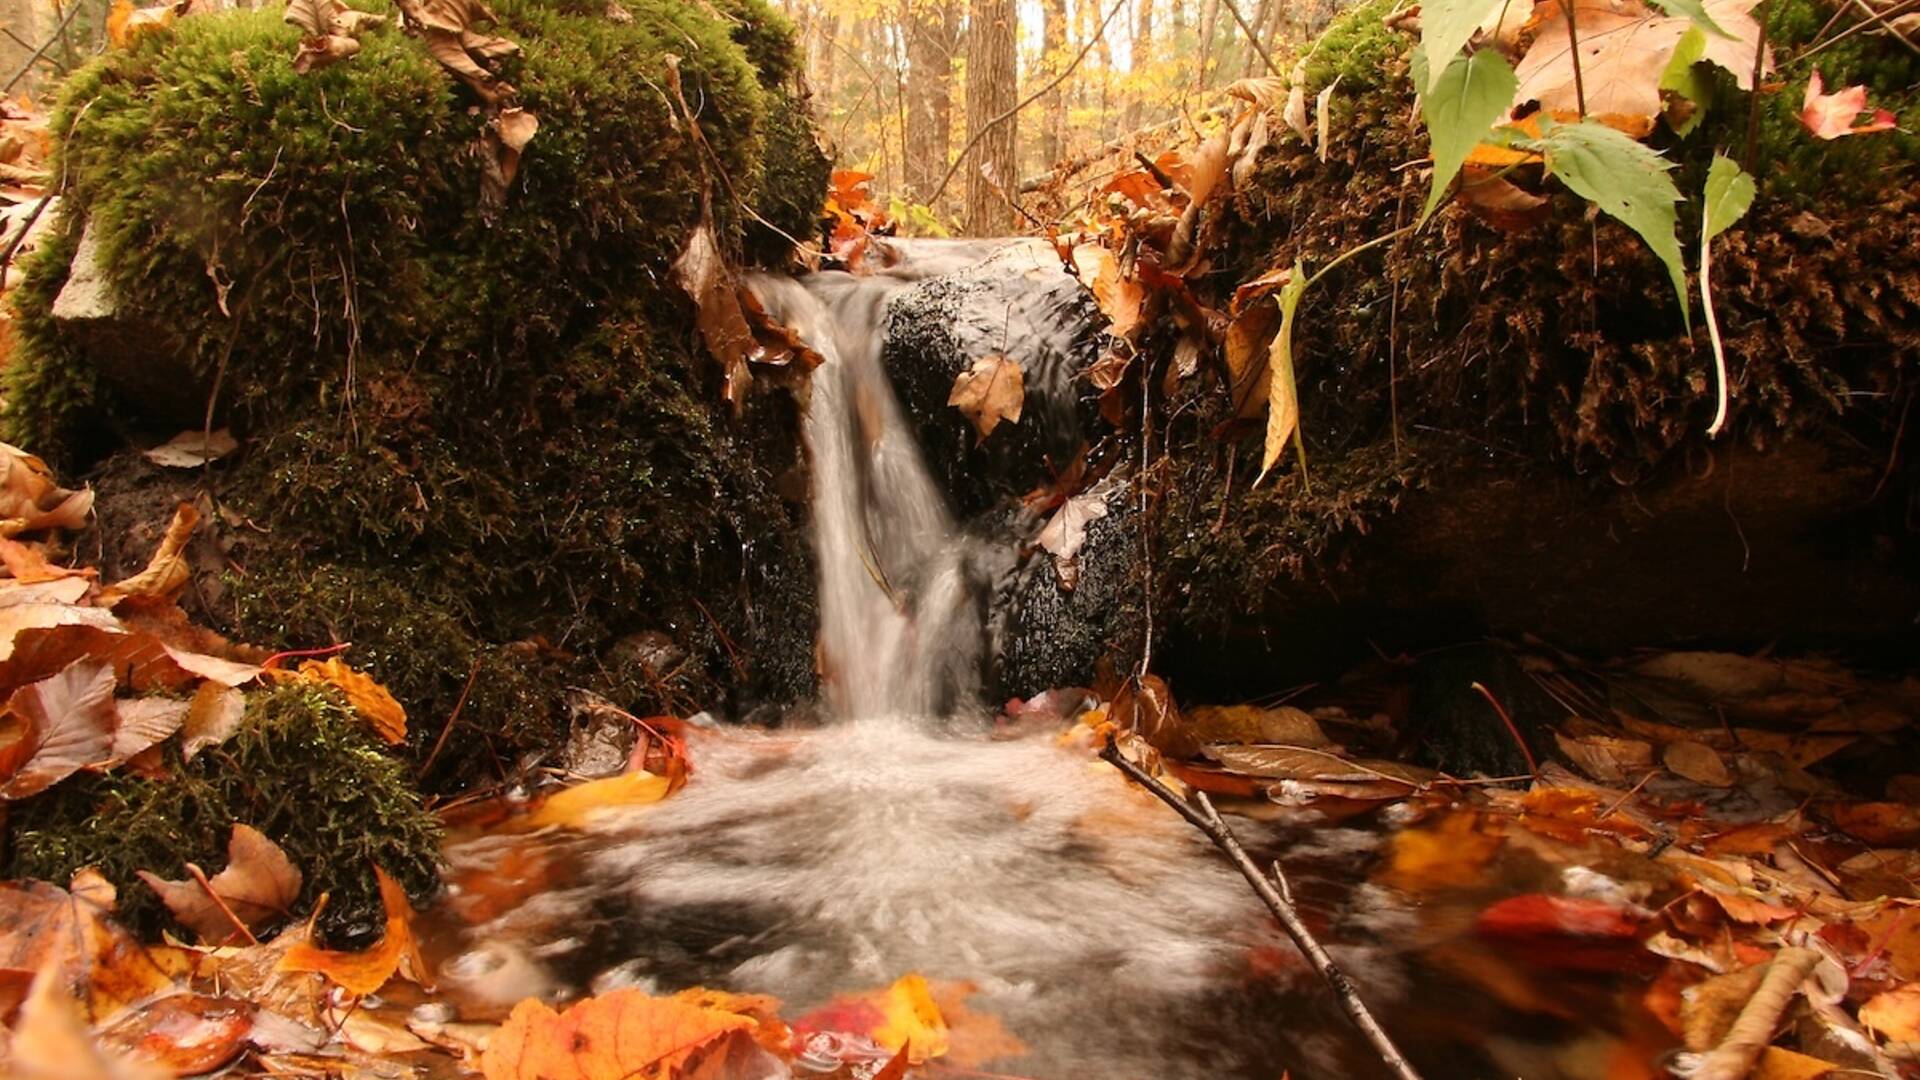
(903, 836)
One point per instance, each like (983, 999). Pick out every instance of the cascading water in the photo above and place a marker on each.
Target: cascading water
(903, 837)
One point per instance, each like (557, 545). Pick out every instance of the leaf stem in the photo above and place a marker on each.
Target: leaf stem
(1573, 41)
(1713, 331)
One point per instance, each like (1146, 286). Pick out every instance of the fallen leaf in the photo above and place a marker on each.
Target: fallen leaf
(194, 449)
(1625, 47)
(29, 498)
(259, 885)
(1499, 202)
(126, 22)
(992, 390)
(182, 1035)
(1697, 762)
(1451, 852)
(29, 566)
(1830, 116)
(167, 572)
(69, 938)
(1536, 914)
(1281, 724)
(362, 973)
(703, 274)
(1708, 1008)
(621, 1034)
(59, 725)
(140, 723)
(1120, 298)
(1310, 763)
(1065, 533)
(1607, 758)
(1882, 824)
(448, 27)
(50, 1042)
(1778, 1064)
(1145, 707)
(212, 717)
(570, 808)
(371, 700)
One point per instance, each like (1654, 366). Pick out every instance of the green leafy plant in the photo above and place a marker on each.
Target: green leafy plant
(1728, 196)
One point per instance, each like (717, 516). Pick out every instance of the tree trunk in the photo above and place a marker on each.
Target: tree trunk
(930, 33)
(1202, 73)
(1252, 51)
(992, 86)
(1053, 124)
(826, 28)
(1142, 59)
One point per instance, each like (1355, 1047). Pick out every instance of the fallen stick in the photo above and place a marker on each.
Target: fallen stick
(1279, 899)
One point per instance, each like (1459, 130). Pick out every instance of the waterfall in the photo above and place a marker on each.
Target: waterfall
(901, 600)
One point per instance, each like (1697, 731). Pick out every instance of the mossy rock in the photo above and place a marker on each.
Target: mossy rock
(303, 768)
(481, 444)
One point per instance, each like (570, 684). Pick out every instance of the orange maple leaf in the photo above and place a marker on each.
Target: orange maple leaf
(621, 1034)
(364, 972)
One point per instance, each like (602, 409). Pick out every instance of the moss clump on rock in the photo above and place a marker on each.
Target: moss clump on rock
(478, 440)
(303, 768)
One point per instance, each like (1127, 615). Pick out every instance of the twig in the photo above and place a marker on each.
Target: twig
(1573, 51)
(1253, 38)
(1893, 12)
(200, 876)
(58, 34)
(1278, 898)
(1752, 1030)
(941, 188)
(1532, 765)
(6, 257)
(1760, 14)
(447, 728)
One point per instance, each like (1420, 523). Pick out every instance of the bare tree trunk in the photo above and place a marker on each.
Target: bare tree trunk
(1053, 123)
(1142, 57)
(826, 29)
(992, 89)
(1209, 16)
(930, 33)
(1252, 51)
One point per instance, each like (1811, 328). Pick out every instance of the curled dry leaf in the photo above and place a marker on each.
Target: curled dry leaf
(1119, 296)
(167, 572)
(259, 885)
(992, 390)
(59, 725)
(28, 565)
(1066, 532)
(1830, 116)
(624, 1033)
(505, 139)
(30, 499)
(363, 973)
(448, 28)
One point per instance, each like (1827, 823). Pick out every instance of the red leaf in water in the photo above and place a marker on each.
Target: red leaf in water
(1536, 915)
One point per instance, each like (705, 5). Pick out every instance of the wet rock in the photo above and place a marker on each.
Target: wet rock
(1048, 635)
(1019, 303)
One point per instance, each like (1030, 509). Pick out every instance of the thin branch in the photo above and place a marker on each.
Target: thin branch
(200, 876)
(1893, 12)
(6, 257)
(1278, 898)
(1573, 50)
(1512, 729)
(58, 34)
(941, 188)
(1253, 39)
(1760, 14)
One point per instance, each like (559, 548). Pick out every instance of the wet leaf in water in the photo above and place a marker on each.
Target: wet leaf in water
(1449, 853)
(992, 390)
(183, 1035)
(619, 1034)
(363, 973)
(570, 808)
(1536, 914)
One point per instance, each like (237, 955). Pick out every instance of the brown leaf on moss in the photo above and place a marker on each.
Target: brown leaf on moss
(703, 273)
(140, 723)
(992, 390)
(213, 716)
(55, 727)
(368, 698)
(259, 885)
(447, 28)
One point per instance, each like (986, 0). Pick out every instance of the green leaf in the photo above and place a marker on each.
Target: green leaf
(1283, 395)
(1694, 11)
(1627, 182)
(1472, 93)
(1729, 195)
(1685, 77)
(1445, 27)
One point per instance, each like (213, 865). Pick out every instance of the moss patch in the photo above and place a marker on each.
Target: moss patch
(475, 444)
(303, 769)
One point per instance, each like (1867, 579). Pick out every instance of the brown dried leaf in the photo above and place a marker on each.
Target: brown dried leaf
(69, 938)
(259, 885)
(167, 572)
(709, 282)
(1698, 763)
(212, 718)
(1066, 532)
(29, 498)
(1121, 299)
(1606, 758)
(59, 725)
(1310, 763)
(1145, 707)
(992, 390)
(1624, 49)
(1499, 202)
(368, 698)
(51, 1042)
(29, 566)
(143, 722)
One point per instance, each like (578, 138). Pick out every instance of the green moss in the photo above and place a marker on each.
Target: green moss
(476, 442)
(1360, 50)
(303, 769)
(59, 389)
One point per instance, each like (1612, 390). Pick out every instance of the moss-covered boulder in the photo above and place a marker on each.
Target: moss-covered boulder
(482, 443)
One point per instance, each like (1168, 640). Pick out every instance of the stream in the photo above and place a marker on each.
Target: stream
(907, 834)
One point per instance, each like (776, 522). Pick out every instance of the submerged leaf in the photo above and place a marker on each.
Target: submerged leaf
(363, 973)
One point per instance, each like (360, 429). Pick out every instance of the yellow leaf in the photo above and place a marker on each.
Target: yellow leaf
(368, 698)
(570, 808)
(363, 973)
(1450, 853)
(1894, 1014)
(1283, 399)
(992, 390)
(621, 1034)
(913, 1020)
(1778, 1064)
(167, 572)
